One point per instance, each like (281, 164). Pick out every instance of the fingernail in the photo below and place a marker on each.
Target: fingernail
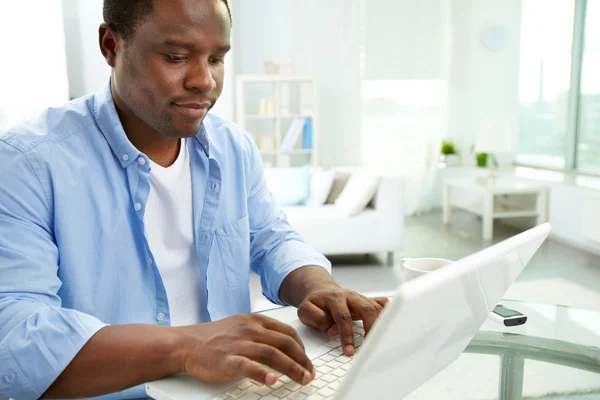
(349, 349)
(307, 378)
(314, 372)
(270, 379)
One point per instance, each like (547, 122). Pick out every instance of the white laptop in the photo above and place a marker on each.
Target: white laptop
(426, 326)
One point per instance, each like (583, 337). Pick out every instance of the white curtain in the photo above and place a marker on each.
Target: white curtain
(406, 51)
(33, 72)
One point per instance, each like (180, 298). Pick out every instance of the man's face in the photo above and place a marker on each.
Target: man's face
(171, 70)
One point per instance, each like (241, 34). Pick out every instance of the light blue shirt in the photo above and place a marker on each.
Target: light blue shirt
(73, 254)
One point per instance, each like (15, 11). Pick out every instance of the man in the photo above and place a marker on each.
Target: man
(130, 221)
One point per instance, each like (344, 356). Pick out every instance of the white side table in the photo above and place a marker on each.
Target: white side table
(489, 204)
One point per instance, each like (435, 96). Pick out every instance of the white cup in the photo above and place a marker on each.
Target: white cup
(414, 267)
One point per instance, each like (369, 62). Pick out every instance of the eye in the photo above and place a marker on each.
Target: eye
(175, 59)
(217, 60)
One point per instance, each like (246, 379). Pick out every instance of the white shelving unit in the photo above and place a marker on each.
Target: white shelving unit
(289, 97)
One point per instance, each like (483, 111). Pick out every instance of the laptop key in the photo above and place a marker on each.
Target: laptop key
(319, 384)
(276, 385)
(327, 357)
(334, 364)
(293, 386)
(285, 379)
(281, 393)
(327, 392)
(269, 397)
(315, 396)
(236, 394)
(318, 351)
(245, 385)
(324, 369)
(340, 373)
(221, 397)
(343, 359)
(250, 396)
(335, 385)
(336, 352)
(329, 378)
(263, 390)
(296, 396)
(308, 390)
(318, 362)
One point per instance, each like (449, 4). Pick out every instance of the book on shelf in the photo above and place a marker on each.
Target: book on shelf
(292, 135)
(307, 138)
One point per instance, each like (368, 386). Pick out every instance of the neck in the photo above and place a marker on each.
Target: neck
(161, 149)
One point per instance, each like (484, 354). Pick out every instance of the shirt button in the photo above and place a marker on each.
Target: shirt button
(10, 378)
(160, 316)
(142, 160)
(137, 206)
(150, 260)
(125, 157)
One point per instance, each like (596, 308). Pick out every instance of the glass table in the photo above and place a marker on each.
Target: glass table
(555, 355)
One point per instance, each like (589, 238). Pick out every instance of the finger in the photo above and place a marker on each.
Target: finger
(287, 345)
(277, 360)
(367, 309)
(278, 326)
(239, 366)
(382, 301)
(341, 315)
(314, 316)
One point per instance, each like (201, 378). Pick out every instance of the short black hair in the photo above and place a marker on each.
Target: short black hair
(123, 16)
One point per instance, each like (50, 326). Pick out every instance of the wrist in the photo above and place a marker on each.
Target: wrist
(300, 283)
(180, 345)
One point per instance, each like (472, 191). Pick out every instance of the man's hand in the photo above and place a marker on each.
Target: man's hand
(324, 305)
(332, 310)
(237, 346)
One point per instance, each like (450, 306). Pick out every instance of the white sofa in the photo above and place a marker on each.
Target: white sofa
(379, 228)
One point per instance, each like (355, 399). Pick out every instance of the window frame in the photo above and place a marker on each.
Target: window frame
(574, 109)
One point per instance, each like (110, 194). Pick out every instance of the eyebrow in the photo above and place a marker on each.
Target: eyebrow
(187, 45)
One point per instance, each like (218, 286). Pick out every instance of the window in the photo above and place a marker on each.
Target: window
(545, 71)
(560, 85)
(588, 147)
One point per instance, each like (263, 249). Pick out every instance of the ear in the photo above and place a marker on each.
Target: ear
(110, 43)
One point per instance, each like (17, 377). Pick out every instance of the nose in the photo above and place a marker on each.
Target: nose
(200, 78)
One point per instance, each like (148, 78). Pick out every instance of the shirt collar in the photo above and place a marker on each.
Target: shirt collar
(109, 123)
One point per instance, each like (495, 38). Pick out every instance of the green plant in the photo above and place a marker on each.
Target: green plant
(482, 159)
(448, 148)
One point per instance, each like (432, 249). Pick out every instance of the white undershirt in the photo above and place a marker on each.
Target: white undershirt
(170, 234)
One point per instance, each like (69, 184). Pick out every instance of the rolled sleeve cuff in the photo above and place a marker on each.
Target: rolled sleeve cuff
(38, 350)
(271, 281)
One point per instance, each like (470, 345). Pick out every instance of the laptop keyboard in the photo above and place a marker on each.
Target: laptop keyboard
(331, 364)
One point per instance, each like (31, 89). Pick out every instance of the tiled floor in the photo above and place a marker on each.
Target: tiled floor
(557, 274)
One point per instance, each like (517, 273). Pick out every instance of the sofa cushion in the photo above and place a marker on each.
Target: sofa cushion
(289, 186)
(339, 181)
(320, 186)
(358, 192)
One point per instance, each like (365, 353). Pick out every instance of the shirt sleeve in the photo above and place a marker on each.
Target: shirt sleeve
(38, 338)
(275, 248)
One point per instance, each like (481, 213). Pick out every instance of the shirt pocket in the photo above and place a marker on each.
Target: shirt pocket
(233, 241)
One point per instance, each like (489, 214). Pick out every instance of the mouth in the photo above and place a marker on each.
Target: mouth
(193, 110)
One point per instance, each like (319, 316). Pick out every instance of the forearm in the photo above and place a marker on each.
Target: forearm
(301, 282)
(117, 358)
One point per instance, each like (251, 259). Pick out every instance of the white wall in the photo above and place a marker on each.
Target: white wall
(33, 68)
(483, 83)
(322, 39)
(86, 66)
